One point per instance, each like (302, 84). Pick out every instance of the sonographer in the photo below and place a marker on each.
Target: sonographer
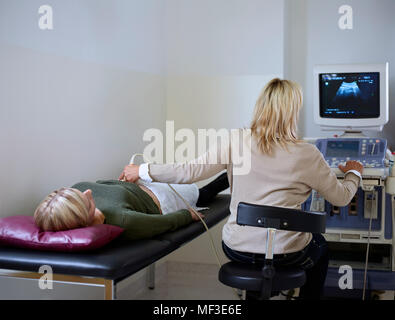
(284, 171)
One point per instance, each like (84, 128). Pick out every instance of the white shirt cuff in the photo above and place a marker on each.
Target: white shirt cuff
(357, 173)
(143, 172)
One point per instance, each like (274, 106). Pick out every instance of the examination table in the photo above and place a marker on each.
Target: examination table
(105, 267)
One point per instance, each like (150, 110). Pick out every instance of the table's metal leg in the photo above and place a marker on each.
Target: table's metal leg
(151, 276)
(110, 289)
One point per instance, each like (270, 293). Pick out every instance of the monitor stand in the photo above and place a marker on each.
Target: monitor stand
(352, 134)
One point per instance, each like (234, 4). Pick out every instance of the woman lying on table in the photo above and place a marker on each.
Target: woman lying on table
(142, 209)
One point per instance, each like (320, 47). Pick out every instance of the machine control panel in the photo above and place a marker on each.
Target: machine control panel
(369, 151)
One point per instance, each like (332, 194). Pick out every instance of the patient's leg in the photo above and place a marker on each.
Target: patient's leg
(209, 191)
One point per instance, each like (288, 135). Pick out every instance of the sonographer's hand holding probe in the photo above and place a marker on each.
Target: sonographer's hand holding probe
(130, 173)
(351, 165)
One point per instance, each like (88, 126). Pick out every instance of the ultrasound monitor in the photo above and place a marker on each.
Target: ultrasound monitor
(351, 97)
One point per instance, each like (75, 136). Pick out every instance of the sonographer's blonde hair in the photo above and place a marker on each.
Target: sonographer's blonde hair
(63, 209)
(276, 114)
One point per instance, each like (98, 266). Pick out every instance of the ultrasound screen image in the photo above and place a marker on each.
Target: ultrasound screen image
(350, 95)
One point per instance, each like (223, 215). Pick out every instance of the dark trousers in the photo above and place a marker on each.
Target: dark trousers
(209, 191)
(313, 259)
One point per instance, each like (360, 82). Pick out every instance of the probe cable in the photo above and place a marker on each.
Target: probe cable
(367, 255)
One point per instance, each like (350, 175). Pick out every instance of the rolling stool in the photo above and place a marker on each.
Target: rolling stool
(264, 282)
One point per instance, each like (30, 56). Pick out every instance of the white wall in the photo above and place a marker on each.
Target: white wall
(313, 37)
(219, 55)
(123, 33)
(75, 101)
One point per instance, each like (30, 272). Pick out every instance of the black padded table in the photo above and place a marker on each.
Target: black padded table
(112, 263)
(219, 209)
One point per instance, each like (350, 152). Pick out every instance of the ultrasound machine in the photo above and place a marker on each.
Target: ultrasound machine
(354, 98)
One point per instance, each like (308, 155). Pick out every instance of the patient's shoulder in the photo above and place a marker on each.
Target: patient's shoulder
(99, 183)
(82, 186)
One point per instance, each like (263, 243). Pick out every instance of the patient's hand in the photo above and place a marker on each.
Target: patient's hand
(130, 173)
(194, 217)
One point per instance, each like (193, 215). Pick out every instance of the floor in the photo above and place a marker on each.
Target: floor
(189, 281)
(183, 281)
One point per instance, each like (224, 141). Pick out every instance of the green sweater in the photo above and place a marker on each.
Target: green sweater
(125, 205)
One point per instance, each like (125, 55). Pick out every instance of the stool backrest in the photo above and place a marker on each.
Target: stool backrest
(280, 218)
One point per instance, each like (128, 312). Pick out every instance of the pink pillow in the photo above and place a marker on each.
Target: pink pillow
(21, 231)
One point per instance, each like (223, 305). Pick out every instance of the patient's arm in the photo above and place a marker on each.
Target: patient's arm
(140, 225)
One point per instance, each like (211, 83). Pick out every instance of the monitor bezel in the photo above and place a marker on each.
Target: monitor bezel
(353, 124)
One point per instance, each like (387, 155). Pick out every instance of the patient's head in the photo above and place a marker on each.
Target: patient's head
(67, 208)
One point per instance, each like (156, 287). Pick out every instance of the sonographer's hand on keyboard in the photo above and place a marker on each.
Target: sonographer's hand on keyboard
(352, 165)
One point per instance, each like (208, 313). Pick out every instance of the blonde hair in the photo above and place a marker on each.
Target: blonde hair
(63, 209)
(276, 114)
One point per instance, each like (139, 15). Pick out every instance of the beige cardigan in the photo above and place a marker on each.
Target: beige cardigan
(284, 179)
